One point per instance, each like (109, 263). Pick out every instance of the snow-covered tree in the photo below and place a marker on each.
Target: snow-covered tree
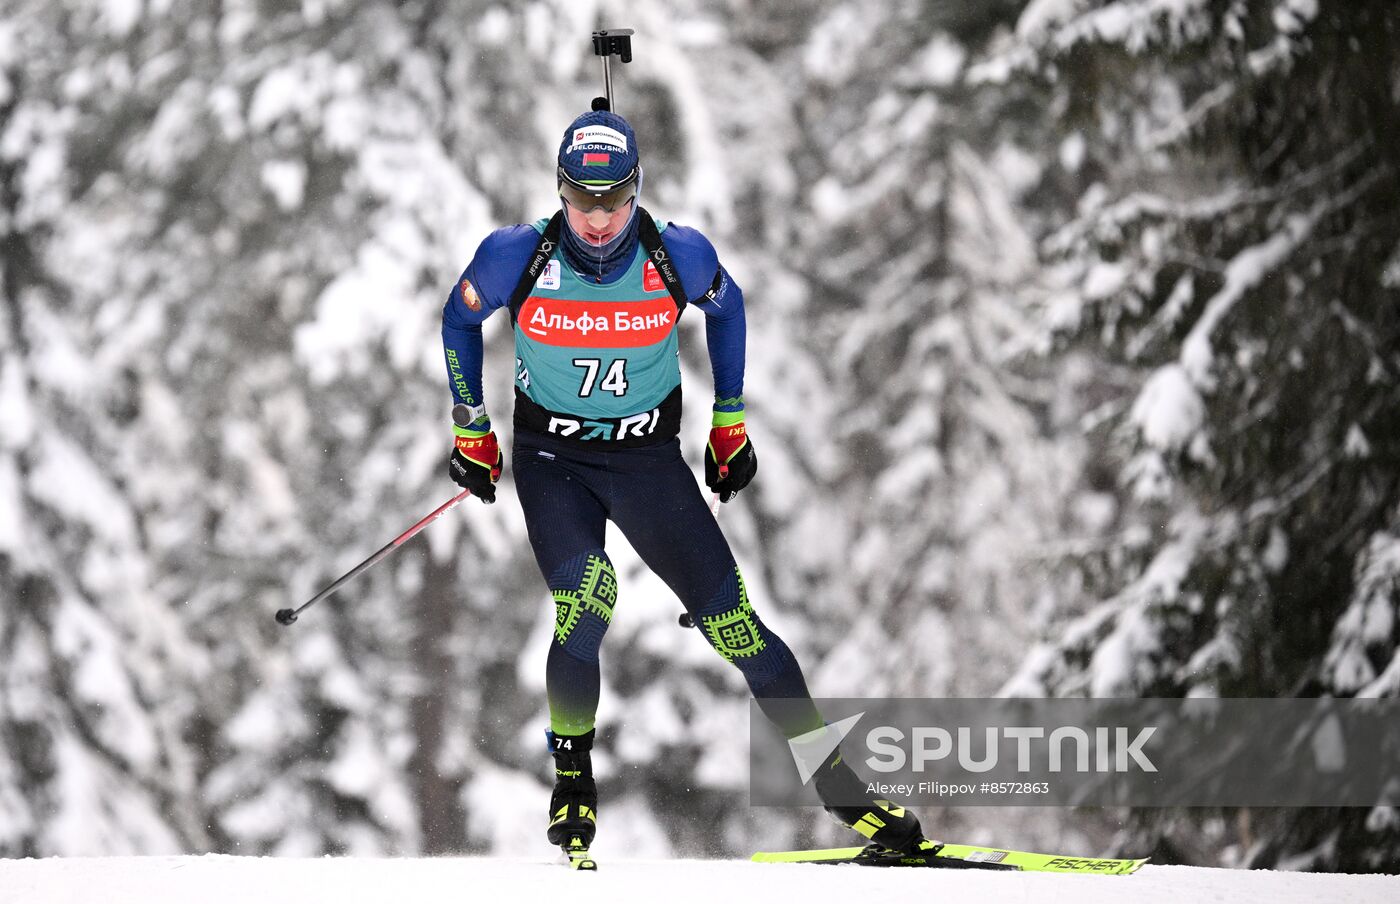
(1232, 252)
(230, 226)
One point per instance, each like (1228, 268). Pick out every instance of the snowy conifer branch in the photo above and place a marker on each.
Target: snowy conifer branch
(1249, 267)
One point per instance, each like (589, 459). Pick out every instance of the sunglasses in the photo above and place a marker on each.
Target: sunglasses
(585, 200)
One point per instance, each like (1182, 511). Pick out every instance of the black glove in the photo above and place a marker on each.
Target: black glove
(730, 461)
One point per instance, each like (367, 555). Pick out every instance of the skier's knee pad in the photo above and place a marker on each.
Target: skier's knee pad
(585, 591)
(730, 624)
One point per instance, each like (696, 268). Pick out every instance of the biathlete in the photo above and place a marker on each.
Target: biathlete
(594, 294)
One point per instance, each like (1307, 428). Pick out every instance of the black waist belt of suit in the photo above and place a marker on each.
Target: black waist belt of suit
(645, 428)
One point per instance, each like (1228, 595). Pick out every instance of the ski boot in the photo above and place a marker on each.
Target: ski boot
(574, 805)
(845, 797)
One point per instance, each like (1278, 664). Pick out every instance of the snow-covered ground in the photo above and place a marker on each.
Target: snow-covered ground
(240, 880)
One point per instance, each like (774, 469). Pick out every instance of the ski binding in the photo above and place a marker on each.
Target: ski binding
(579, 858)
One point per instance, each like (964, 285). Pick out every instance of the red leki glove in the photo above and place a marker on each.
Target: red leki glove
(476, 462)
(730, 461)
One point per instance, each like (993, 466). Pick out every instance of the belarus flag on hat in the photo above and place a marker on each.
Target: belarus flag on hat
(596, 159)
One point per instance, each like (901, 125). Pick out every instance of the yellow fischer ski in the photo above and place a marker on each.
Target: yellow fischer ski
(955, 856)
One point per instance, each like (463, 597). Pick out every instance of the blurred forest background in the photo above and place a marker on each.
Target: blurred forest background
(1074, 368)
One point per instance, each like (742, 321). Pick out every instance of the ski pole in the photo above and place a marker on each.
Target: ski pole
(287, 616)
(687, 620)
